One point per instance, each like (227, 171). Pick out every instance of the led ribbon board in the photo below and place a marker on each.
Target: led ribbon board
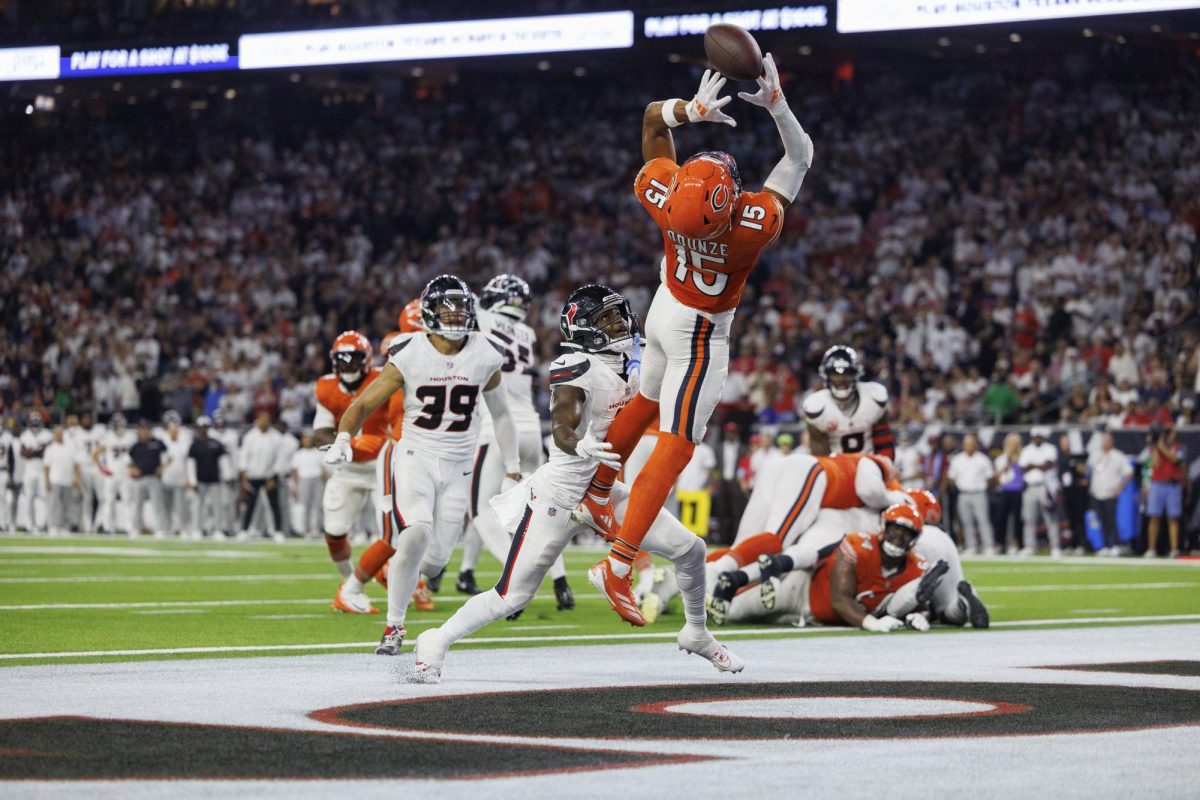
(861, 16)
(484, 37)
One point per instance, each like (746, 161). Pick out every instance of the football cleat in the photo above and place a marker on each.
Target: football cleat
(617, 591)
(718, 610)
(599, 518)
(769, 567)
(725, 588)
(768, 593)
(430, 655)
(466, 583)
(977, 612)
(652, 606)
(929, 582)
(563, 596)
(514, 616)
(700, 642)
(389, 645)
(434, 582)
(421, 598)
(353, 602)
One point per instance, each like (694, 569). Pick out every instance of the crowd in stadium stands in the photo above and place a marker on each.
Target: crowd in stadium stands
(1000, 247)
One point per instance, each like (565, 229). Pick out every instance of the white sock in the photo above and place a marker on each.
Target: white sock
(558, 569)
(619, 568)
(403, 572)
(483, 608)
(689, 575)
(353, 583)
(344, 568)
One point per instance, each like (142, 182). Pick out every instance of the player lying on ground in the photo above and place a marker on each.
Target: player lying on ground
(789, 497)
(713, 234)
(872, 581)
(588, 386)
(443, 372)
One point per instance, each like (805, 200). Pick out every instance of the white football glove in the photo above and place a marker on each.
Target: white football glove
(880, 624)
(339, 452)
(769, 94)
(600, 452)
(706, 106)
(917, 621)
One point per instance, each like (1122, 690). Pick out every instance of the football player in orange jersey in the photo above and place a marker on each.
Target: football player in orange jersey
(795, 490)
(352, 484)
(873, 581)
(713, 233)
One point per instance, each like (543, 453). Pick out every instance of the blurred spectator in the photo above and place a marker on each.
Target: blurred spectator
(971, 472)
(730, 500)
(1165, 492)
(1039, 463)
(1010, 478)
(258, 469)
(61, 460)
(1110, 474)
(308, 474)
(204, 476)
(146, 467)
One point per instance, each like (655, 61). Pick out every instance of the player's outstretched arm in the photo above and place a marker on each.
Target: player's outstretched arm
(372, 398)
(785, 180)
(503, 426)
(661, 117)
(566, 411)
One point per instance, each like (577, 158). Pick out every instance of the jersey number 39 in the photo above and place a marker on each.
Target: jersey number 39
(458, 400)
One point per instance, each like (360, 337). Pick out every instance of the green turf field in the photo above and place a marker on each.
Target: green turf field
(104, 599)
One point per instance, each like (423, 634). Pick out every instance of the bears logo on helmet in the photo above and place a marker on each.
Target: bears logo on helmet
(702, 196)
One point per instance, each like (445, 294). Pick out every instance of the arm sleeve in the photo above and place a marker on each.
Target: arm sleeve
(884, 439)
(504, 428)
(789, 173)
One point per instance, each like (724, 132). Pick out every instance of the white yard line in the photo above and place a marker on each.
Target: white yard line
(749, 632)
(1086, 587)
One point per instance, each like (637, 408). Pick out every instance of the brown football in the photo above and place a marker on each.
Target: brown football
(733, 52)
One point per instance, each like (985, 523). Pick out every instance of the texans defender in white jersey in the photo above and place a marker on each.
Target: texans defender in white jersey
(442, 373)
(588, 388)
(849, 415)
(504, 303)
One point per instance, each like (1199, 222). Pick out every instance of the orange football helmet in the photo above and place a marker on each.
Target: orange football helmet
(410, 318)
(386, 342)
(928, 506)
(702, 196)
(350, 353)
(903, 515)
